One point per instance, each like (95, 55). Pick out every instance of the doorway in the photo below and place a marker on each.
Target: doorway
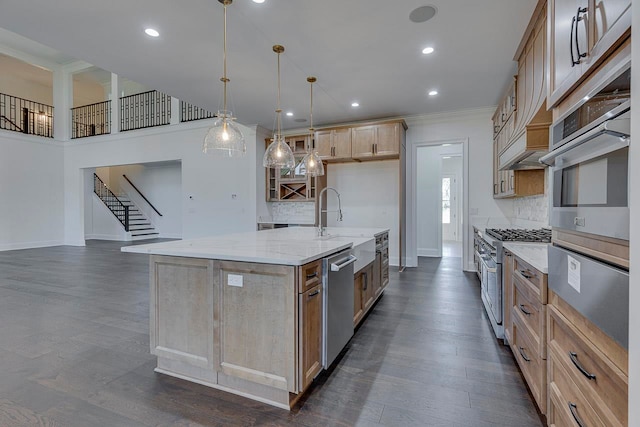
(439, 199)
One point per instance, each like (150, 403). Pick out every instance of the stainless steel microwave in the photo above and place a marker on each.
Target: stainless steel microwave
(590, 181)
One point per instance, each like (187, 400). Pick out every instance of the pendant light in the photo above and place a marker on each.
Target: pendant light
(278, 154)
(312, 163)
(224, 136)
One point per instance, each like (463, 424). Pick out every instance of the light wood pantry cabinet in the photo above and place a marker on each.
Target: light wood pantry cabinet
(581, 33)
(310, 331)
(376, 142)
(292, 184)
(525, 325)
(334, 144)
(588, 371)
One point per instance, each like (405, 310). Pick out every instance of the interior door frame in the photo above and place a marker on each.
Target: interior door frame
(412, 206)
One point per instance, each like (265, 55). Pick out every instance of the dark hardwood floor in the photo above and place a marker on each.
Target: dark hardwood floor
(75, 352)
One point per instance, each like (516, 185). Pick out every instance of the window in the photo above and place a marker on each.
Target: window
(446, 200)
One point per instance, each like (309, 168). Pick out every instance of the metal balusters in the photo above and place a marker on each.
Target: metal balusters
(119, 209)
(90, 120)
(189, 112)
(143, 110)
(22, 115)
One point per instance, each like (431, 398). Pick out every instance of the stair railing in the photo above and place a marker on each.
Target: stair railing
(119, 209)
(141, 195)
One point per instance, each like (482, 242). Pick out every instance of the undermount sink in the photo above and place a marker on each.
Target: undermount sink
(326, 237)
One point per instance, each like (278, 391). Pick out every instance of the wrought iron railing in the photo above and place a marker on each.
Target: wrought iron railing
(90, 120)
(23, 115)
(144, 110)
(189, 112)
(142, 195)
(119, 209)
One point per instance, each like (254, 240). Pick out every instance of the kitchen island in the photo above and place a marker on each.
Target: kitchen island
(243, 312)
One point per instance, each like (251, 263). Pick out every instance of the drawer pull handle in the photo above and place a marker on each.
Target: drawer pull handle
(522, 353)
(313, 294)
(574, 412)
(526, 274)
(311, 276)
(574, 358)
(528, 313)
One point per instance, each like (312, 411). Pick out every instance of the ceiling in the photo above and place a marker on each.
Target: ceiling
(360, 50)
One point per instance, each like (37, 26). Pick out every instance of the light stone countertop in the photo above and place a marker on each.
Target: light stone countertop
(532, 253)
(282, 246)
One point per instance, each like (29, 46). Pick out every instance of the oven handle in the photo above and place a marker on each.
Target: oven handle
(620, 128)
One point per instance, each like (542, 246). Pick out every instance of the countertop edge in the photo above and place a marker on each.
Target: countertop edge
(516, 248)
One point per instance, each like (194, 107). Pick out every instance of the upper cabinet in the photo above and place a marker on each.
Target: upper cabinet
(334, 144)
(581, 33)
(376, 141)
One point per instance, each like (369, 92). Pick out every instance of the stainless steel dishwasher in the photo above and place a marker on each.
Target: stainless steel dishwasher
(337, 281)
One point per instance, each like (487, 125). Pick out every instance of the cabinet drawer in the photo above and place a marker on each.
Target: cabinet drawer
(310, 275)
(570, 405)
(533, 277)
(533, 368)
(603, 384)
(532, 314)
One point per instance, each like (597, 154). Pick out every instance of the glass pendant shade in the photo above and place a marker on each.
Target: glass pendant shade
(313, 164)
(279, 154)
(224, 137)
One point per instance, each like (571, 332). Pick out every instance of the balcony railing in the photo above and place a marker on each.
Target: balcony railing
(91, 120)
(144, 110)
(23, 115)
(189, 113)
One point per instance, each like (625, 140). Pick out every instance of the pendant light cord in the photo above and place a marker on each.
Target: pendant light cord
(224, 65)
(311, 116)
(279, 110)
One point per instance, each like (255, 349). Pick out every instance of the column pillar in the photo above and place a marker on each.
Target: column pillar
(175, 111)
(62, 103)
(115, 103)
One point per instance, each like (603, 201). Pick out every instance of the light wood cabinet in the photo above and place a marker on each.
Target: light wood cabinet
(292, 184)
(334, 144)
(376, 142)
(525, 323)
(586, 368)
(581, 34)
(370, 282)
(310, 331)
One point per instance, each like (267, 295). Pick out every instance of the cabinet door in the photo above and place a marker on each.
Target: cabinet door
(367, 287)
(496, 174)
(363, 140)
(609, 20)
(341, 141)
(388, 140)
(507, 268)
(358, 302)
(563, 73)
(377, 275)
(310, 330)
(323, 144)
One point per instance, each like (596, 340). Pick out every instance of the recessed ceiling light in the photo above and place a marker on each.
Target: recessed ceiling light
(446, 145)
(446, 157)
(433, 93)
(258, 1)
(289, 113)
(355, 104)
(427, 50)
(151, 32)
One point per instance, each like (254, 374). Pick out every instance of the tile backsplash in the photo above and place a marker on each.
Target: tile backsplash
(291, 212)
(534, 208)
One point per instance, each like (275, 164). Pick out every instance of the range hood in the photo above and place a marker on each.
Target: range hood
(530, 139)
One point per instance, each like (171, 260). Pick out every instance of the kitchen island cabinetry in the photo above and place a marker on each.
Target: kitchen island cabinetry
(244, 312)
(582, 33)
(370, 281)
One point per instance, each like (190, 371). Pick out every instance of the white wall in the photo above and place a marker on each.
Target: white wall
(369, 195)
(474, 126)
(223, 189)
(634, 204)
(31, 191)
(100, 223)
(452, 166)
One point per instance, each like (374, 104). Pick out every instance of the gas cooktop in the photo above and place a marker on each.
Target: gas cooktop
(542, 235)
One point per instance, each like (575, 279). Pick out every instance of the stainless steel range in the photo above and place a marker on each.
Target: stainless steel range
(488, 256)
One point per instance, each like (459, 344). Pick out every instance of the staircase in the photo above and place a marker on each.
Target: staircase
(140, 227)
(130, 216)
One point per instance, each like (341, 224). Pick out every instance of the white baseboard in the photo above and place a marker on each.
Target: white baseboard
(471, 267)
(170, 236)
(30, 245)
(117, 237)
(429, 252)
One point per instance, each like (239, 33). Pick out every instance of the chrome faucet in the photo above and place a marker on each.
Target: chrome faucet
(321, 228)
